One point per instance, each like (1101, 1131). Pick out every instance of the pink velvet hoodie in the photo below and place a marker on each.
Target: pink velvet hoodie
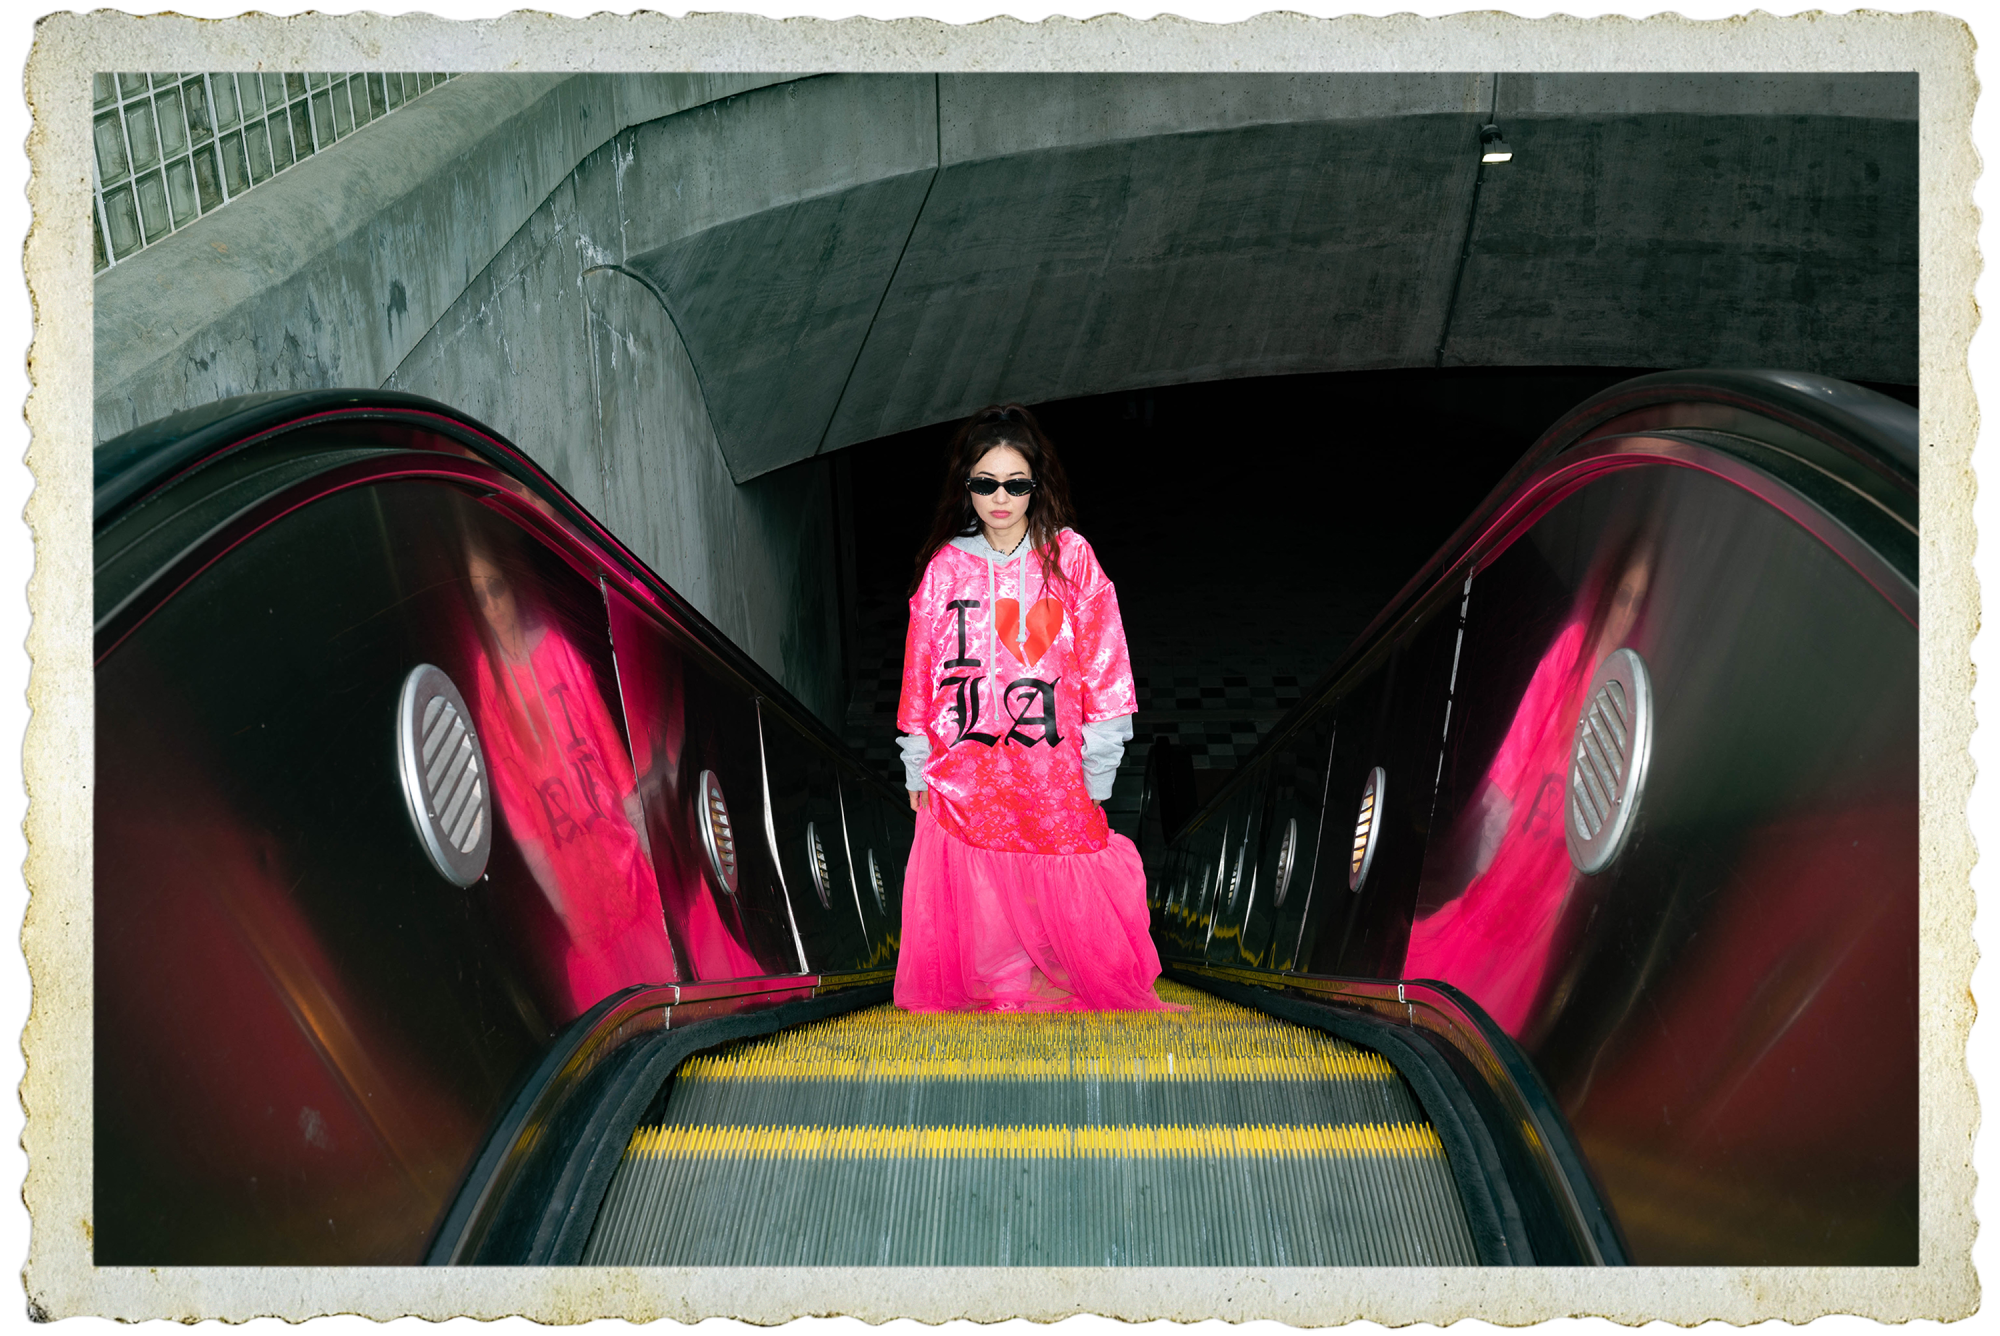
(1003, 697)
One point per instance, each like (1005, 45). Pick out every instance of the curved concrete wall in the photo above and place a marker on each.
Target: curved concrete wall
(330, 274)
(578, 361)
(458, 250)
(669, 286)
(1083, 234)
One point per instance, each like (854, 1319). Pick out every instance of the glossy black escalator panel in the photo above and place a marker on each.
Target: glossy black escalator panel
(1304, 851)
(808, 830)
(697, 747)
(882, 833)
(1279, 855)
(1726, 1012)
(1690, 1005)
(1855, 433)
(1390, 722)
(302, 1029)
(305, 1031)
(1245, 825)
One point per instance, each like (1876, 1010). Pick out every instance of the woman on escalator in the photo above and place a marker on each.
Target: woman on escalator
(1016, 707)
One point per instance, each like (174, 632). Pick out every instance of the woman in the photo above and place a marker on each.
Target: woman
(566, 793)
(1016, 706)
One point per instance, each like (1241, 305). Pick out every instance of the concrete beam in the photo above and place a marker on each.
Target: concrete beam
(329, 274)
(666, 286)
(467, 248)
(1174, 229)
(771, 223)
(1090, 233)
(1721, 220)
(576, 358)
(1096, 233)
(848, 256)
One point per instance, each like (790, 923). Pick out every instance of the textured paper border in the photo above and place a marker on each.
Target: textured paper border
(58, 754)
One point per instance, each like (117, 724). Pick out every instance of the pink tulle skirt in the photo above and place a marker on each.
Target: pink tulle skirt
(986, 930)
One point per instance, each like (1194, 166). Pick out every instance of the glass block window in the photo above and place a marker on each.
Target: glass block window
(171, 147)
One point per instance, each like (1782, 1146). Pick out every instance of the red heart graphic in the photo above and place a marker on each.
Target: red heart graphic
(1045, 622)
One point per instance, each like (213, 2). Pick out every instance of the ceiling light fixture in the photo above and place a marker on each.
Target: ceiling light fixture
(1493, 148)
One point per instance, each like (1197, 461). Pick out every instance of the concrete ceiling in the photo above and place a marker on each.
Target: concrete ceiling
(850, 256)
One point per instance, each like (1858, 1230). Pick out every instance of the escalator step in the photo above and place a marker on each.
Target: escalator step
(1213, 1137)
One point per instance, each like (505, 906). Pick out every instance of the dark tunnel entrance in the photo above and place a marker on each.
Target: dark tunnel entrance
(1253, 528)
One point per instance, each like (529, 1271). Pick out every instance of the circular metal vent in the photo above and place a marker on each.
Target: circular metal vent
(822, 876)
(1367, 827)
(875, 880)
(1288, 852)
(444, 775)
(1607, 767)
(718, 837)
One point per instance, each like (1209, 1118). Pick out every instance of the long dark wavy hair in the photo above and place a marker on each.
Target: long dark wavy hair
(1049, 509)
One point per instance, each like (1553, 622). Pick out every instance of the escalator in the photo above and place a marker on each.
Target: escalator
(1626, 782)
(1217, 1137)
(361, 1000)
(389, 923)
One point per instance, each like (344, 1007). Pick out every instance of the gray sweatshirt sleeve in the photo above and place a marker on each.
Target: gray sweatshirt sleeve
(916, 750)
(1103, 748)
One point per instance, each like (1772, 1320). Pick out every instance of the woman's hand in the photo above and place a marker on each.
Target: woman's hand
(919, 799)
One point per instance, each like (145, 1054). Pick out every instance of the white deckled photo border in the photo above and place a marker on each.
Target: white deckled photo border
(56, 1091)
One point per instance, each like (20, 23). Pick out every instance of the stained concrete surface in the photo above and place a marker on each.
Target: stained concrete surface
(678, 291)
(583, 365)
(330, 273)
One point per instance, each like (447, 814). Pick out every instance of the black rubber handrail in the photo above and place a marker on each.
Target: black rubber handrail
(127, 468)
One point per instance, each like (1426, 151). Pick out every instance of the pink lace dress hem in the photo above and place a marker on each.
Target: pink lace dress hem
(997, 930)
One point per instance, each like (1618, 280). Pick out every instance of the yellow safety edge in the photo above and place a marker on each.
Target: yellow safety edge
(1040, 1142)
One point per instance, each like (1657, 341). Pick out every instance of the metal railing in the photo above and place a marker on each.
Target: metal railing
(172, 147)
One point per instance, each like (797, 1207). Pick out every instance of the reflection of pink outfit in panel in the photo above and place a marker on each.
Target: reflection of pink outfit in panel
(713, 949)
(564, 786)
(1019, 896)
(1495, 941)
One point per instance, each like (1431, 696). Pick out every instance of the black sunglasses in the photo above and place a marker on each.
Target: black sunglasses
(988, 486)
